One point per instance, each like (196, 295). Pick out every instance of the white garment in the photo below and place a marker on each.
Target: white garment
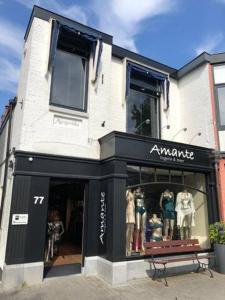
(184, 207)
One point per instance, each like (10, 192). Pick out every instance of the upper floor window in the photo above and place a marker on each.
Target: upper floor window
(69, 56)
(69, 80)
(221, 105)
(219, 80)
(143, 104)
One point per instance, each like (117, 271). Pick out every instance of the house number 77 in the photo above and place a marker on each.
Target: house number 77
(38, 199)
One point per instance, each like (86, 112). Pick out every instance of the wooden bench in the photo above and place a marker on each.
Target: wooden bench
(185, 247)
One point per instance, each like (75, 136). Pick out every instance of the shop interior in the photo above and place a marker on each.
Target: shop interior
(154, 198)
(65, 223)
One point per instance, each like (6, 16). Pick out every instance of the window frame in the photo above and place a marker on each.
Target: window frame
(86, 80)
(218, 121)
(157, 98)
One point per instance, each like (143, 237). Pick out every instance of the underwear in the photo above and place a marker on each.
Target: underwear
(168, 214)
(155, 225)
(140, 209)
(156, 238)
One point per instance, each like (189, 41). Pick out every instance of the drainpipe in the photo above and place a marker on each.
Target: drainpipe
(11, 106)
(216, 139)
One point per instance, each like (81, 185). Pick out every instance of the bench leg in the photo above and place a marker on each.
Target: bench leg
(158, 273)
(204, 267)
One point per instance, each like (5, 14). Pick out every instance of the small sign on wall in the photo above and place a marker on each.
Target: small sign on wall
(19, 219)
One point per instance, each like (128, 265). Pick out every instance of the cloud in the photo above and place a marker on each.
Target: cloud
(210, 44)
(72, 11)
(11, 37)
(124, 20)
(9, 73)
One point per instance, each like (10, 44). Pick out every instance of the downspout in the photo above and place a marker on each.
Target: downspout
(6, 161)
(216, 140)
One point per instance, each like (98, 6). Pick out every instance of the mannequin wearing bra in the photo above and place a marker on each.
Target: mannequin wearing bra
(156, 227)
(130, 220)
(167, 206)
(185, 213)
(140, 218)
(55, 231)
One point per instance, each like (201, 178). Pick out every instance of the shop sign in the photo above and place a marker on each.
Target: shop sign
(102, 218)
(19, 219)
(170, 154)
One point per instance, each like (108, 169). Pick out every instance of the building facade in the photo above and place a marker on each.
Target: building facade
(92, 124)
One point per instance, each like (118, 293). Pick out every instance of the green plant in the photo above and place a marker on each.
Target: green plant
(217, 233)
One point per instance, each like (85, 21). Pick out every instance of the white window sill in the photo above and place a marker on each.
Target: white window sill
(68, 111)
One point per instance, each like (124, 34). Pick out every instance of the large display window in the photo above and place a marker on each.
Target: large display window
(162, 205)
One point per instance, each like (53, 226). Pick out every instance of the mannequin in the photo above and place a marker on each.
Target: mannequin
(140, 215)
(130, 220)
(185, 213)
(55, 231)
(156, 228)
(167, 206)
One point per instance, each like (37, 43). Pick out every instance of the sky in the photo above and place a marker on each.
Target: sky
(172, 32)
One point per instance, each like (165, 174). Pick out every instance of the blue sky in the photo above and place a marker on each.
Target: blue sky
(170, 31)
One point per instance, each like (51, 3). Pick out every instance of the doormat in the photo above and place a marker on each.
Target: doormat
(63, 270)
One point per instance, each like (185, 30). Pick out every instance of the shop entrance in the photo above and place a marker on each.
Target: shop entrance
(64, 232)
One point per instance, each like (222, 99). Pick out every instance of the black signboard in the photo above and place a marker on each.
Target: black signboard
(134, 147)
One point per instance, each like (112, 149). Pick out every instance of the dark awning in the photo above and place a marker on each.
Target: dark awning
(96, 42)
(163, 79)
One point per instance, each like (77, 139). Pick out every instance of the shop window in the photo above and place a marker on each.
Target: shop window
(221, 105)
(134, 175)
(147, 175)
(143, 107)
(166, 205)
(176, 176)
(162, 175)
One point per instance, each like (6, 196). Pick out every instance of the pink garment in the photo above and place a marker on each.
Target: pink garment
(130, 211)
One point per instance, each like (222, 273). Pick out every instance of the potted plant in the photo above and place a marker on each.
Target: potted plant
(217, 237)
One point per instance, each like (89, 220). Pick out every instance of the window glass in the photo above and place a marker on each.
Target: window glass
(221, 104)
(166, 205)
(176, 176)
(142, 113)
(147, 175)
(162, 175)
(68, 80)
(219, 74)
(134, 174)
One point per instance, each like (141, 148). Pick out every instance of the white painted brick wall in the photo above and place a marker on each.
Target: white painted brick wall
(189, 105)
(195, 108)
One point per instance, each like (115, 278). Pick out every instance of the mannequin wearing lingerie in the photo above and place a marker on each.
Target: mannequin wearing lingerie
(130, 220)
(167, 206)
(185, 213)
(156, 227)
(140, 218)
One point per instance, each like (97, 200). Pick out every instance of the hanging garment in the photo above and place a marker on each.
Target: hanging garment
(184, 207)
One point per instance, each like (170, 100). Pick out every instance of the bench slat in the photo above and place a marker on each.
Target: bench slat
(179, 249)
(171, 243)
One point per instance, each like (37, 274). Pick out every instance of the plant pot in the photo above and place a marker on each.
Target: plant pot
(220, 257)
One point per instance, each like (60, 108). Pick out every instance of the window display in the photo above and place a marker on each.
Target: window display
(162, 210)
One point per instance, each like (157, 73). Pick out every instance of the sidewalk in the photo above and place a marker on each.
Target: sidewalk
(189, 286)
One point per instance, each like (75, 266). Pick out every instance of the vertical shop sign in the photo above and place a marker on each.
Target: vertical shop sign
(102, 218)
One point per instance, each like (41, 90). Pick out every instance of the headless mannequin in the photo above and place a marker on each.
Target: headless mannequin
(156, 228)
(55, 231)
(130, 220)
(185, 213)
(167, 206)
(140, 215)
